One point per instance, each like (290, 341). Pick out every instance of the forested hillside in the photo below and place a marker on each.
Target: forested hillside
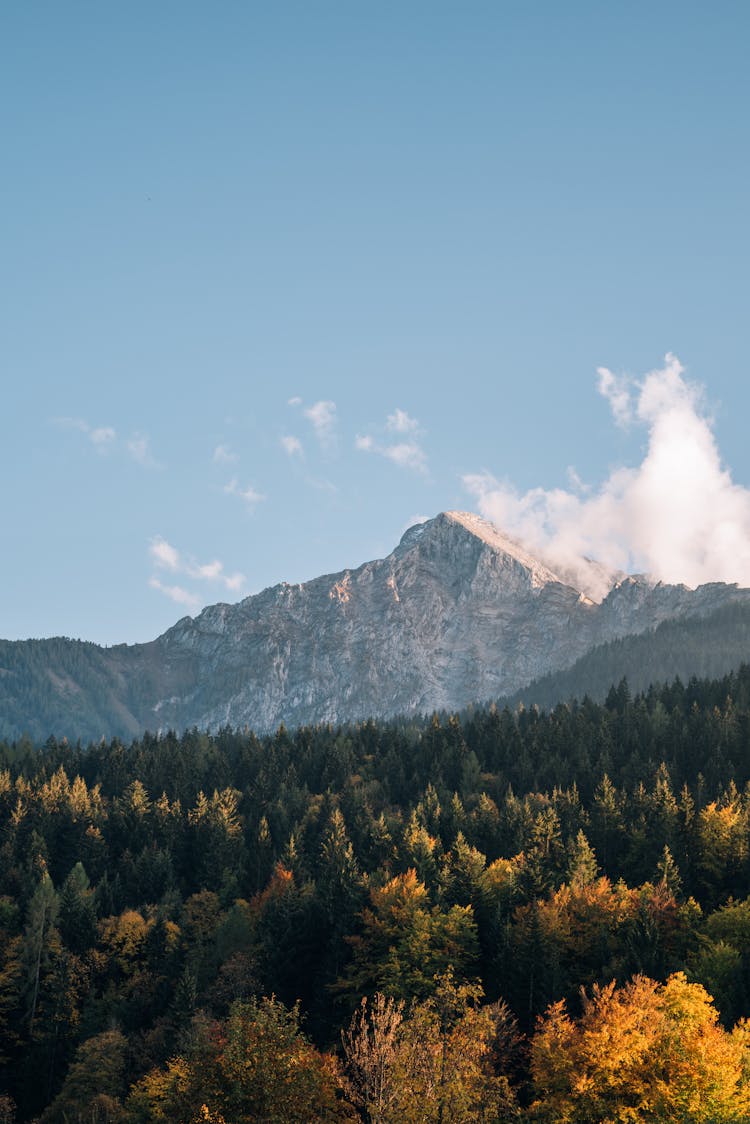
(704, 647)
(389, 921)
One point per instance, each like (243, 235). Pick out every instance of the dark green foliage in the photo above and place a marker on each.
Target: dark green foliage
(145, 889)
(676, 651)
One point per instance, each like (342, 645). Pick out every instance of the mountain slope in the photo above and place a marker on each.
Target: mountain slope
(707, 647)
(458, 612)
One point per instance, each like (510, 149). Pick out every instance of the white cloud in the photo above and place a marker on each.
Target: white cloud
(167, 557)
(616, 389)
(163, 554)
(176, 593)
(224, 455)
(292, 446)
(575, 480)
(295, 401)
(72, 423)
(138, 447)
(234, 582)
(249, 494)
(677, 515)
(406, 453)
(214, 572)
(102, 437)
(209, 572)
(400, 422)
(322, 416)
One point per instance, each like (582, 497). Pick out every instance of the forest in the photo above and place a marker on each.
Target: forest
(496, 915)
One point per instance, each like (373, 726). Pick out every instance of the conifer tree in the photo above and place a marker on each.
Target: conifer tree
(668, 873)
(582, 864)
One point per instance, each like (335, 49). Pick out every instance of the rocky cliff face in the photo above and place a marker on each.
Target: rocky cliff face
(457, 613)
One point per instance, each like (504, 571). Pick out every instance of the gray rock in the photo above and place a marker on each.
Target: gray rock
(457, 613)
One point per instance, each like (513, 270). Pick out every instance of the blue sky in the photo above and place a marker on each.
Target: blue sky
(446, 215)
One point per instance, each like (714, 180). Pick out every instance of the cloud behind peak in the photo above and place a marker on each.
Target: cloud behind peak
(678, 515)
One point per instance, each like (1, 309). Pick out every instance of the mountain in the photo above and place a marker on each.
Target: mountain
(457, 613)
(704, 647)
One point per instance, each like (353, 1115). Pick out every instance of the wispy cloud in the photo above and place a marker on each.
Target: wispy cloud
(400, 422)
(617, 390)
(292, 446)
(138, 447)
(322, 484)
(249, 494)
(322, 417)
(233, 582)
(224, 455)
(575, 481)
(176, 593)
(215, 572)
(407, 453)
(164, 554)
(102, 437)
(72, 423)
(166, 557)
(678, 514)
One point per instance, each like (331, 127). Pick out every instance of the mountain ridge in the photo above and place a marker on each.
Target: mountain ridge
(457, 613)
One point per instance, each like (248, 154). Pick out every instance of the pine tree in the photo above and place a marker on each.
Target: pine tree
(668, 873)
(582, 865)
(41, 918)
(77, 913)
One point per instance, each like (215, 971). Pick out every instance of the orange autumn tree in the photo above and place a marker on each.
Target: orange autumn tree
(643, 1051)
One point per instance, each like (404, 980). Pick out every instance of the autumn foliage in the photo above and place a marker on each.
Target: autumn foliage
(644, 1051)
(492, 916)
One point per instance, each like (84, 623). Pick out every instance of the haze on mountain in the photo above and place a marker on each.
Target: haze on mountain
(458, 613)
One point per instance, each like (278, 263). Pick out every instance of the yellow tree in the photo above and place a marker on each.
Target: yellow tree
(643, 1051)
(445, 1071)
(722, 845)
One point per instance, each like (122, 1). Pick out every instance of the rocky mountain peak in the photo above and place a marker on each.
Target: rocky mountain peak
(458, 612)
(462, 543)
(502, 543)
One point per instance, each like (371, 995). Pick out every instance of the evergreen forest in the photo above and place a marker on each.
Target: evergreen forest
(498, 915)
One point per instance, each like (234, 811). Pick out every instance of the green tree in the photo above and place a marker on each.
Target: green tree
(41, 942)
(77, 912)
(582, 864)
(94, 1083)
(405, 943)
